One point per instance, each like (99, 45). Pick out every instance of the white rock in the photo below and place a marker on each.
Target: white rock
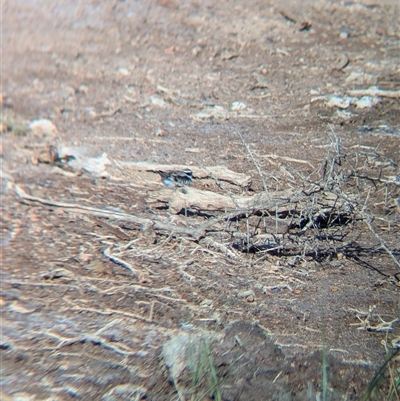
(216, 111)
(360, 78)
(158, 101)
(43, 127)
(366, 102)
(340, 102)
(344, 114)
(237, 105)
(123, 72)
(125, 392)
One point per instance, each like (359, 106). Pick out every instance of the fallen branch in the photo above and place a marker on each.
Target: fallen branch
(195, 232)
(220, 172)
(118, 261)
(374, 91)
(140, 221)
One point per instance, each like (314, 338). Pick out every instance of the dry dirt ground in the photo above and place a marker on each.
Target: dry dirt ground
(97, 308)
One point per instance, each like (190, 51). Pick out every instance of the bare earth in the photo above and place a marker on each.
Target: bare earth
(114, 308)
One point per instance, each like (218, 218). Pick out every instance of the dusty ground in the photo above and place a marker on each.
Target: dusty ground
(175, 83)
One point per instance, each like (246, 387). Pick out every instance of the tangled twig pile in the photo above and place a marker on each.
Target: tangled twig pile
(321, 220)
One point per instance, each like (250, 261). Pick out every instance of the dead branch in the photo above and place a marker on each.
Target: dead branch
(257, 166)
(374, 91)
(140, 221)
(118, 261)
(220, 172)
(312, 221)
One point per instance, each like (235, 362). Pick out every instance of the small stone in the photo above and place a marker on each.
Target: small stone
(23, 397)
(366, 102)
(340, 102)
(82, 89)
(250, 298)
(206, 302)
(245, 294)
(123, 72)
(43, 128)
(237, 106)
(160, 132)
(4, 128)
(158, 101)
(196, 50)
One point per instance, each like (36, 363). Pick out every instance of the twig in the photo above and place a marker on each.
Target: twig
(107, 252)
(375, 91)
(152, 250)
(115, 230)
(108, 311)
(220, 247)
(81, 208)
(287, 159)
(254, 162)
(182, 268)
(156, 224)
(367, 221)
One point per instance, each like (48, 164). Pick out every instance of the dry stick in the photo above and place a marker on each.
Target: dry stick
(335, 141)
(247, 233)
(220, 185)
(367, 221)
(152, 250)
(220, 247)
(375, 91)
(115, 230)
(365, 217)
(229, 253)
(109, 311)
(156, 224)
(120, 348)
(151, 313)
(254, 162)
(81, 209)
(196, 232)
(182, 267)
(118, 261)
(287, 159)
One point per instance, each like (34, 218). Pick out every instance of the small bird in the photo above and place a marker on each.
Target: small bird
(176, 178)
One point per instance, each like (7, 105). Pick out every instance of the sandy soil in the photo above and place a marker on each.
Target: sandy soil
(99, 308)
